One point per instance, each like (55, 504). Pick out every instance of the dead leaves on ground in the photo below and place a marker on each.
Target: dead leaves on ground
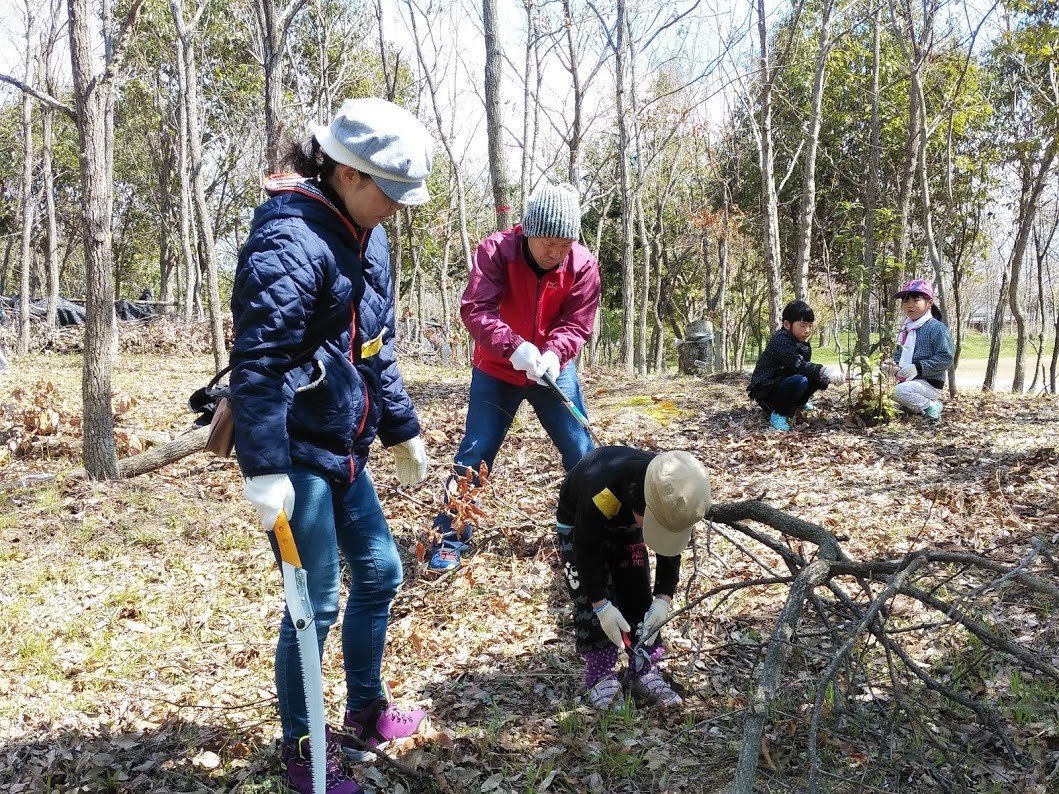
(187, 589)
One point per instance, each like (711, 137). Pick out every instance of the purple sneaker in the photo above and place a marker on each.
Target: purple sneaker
(297, 763)
(375, 725)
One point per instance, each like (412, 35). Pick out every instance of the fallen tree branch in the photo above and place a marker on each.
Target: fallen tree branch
(771, 669)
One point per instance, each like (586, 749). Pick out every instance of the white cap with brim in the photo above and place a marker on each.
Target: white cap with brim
(677, 492)
(384, 141)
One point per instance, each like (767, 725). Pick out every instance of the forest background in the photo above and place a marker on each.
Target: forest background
(729, 156)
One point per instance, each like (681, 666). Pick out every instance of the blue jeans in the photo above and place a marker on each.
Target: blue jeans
(787, 396)
(330, 516)
(491, 407)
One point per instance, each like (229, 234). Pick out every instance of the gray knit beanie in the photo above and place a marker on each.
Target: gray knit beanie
(553, 211)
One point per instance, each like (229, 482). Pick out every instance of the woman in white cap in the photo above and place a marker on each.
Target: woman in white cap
(614, 505)
(529, 306)
(314, 382)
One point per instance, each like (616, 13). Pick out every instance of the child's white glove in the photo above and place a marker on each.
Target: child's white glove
(653, 620)
(833, 374)
(526, 358)
(613, 622)
(548, 365)
(908, 372)
(410, 460)
(889, 366)
(270, 494)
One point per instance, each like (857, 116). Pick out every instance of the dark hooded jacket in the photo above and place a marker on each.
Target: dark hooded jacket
(309, 279)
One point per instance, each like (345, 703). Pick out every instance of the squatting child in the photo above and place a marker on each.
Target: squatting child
(924, 351)
(785, 378)
(614, 505)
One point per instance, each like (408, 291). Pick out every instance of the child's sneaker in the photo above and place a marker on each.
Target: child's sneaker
(653, 689)
(296, 758)
(779, 422)
(933, 411)
(377, 724)
(605, 693)
(448, 545)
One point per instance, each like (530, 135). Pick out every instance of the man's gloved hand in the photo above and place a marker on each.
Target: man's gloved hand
(653, 620)
(833, 374)
(612, 621)
(526, 358)
(908, 372)
(548, 365)
(410, 460)
(270, 494)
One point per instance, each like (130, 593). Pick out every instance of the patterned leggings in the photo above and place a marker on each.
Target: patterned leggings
(627, 568)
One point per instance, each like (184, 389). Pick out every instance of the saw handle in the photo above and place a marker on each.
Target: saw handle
(288, 552)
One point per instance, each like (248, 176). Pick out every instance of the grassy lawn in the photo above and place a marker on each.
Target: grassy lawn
(975, 346)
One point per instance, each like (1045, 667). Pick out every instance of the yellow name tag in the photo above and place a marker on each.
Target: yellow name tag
(369, 349)
(607, 503)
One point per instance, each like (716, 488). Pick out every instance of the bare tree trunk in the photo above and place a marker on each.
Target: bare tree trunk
(273, 24)
(995, 332)
(1041, 247)
(51, 234)
(432, 88)
(26, 188)
(644, 300)
(593, 339)
(190, 97)
(767, 156)
(808, 201)
(188, 262)
(1032, 185)
(628, 268)
(494, 57)
(871, 194)
(574, 169)
(94, 99)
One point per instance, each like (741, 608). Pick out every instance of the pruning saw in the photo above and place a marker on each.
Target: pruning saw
(296, 594)
(582, 420)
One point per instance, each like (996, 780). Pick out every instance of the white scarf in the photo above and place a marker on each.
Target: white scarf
(907, 339)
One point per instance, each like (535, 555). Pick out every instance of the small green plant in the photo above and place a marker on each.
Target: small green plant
(869, 399)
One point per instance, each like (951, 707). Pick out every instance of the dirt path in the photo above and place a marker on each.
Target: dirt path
(971, 373)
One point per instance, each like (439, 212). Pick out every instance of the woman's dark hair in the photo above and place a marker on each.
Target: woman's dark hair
(798, 311)
(308, 159)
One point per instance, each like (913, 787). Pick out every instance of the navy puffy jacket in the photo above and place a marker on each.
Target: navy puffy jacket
(306, 266)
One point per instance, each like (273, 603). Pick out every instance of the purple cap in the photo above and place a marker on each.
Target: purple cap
(920, 285)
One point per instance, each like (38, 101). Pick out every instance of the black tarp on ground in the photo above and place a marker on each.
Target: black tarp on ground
(73, 312)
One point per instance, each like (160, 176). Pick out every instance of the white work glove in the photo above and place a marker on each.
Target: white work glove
(908, 372)
(889, 366)
(270, 494)
(833, 374)
(548, 365)
(652, 621)
(526, 358)
(410, 460)
(613, 622)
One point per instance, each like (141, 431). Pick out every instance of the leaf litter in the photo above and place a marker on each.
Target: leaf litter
(138, 618)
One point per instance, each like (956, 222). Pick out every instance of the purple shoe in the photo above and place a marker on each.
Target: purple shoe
(296, 758)
(377, 724)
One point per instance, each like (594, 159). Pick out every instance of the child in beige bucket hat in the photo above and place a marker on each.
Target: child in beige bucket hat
(615, 505)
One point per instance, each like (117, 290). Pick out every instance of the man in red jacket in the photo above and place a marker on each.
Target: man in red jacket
(529, 306)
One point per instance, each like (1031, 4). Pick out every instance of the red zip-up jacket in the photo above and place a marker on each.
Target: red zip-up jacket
(506, 304)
